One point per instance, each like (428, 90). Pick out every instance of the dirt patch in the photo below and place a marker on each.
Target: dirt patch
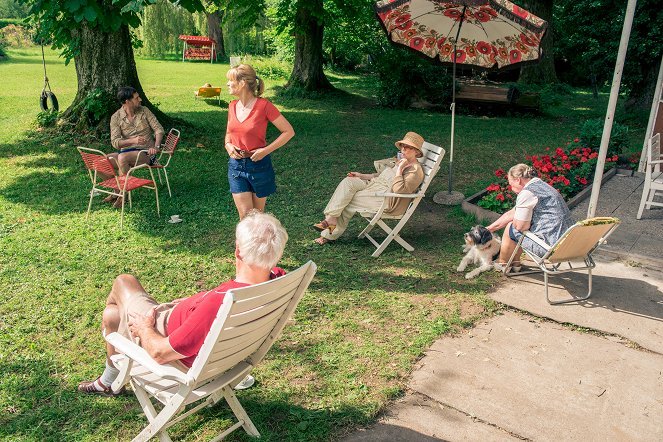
(431, 218)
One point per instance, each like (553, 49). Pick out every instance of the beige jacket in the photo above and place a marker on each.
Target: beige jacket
(409, 182)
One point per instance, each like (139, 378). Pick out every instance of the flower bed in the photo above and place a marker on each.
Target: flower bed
(570, 170)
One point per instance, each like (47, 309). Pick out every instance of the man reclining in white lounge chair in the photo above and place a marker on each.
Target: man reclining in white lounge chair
(175, 331)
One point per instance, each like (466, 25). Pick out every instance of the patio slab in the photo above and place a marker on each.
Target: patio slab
(626, 301)
(417, 418)
(541, 381)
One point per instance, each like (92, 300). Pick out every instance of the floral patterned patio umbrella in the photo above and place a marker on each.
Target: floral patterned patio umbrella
(487, 34)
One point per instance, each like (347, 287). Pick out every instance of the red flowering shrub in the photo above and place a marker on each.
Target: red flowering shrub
(500, 197)
(634, 161)
(568, 170)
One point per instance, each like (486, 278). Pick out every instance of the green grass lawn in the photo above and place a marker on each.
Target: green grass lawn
(356, 334)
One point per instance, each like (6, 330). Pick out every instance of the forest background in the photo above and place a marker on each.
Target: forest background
(303, 36)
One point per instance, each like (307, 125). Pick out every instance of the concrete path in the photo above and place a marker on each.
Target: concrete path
(515, 377)
(520, 376)
(626, 301)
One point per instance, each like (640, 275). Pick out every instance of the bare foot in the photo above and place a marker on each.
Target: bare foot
(322, 241)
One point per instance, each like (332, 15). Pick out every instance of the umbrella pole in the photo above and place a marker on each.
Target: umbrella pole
(451, 198)
(453, 122)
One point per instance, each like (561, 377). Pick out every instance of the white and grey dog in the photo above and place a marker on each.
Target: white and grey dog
(480, 247)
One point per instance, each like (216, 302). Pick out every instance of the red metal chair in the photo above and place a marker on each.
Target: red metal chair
(168, 149)
(100, 168)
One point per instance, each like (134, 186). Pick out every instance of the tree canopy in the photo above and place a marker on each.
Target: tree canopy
(58, 20)
(587, 39)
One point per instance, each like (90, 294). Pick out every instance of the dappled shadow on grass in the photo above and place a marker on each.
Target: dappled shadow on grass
(342, 98)
(19, 58)
(38, 404)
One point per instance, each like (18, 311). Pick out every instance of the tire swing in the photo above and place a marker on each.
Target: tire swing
(48, 101)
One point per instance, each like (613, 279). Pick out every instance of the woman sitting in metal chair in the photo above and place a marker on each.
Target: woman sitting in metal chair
(539, 208)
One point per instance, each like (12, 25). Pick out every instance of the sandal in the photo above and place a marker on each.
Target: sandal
(324, 225)
(321, 241)
(515, 267)
(90, 387)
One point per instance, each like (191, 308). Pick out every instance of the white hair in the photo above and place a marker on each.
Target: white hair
(260, 239)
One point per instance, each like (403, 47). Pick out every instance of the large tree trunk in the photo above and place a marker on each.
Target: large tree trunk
(642, 94)
(542, 72)
(105, 62)
(307, 72)
(215, 32)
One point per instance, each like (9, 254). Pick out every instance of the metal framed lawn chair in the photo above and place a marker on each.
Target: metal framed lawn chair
(653, 184)
(247, 324)
(99, 168)
(576, 245)
(166, 154)
(431, 164)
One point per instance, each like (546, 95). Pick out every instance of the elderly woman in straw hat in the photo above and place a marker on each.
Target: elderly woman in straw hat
(357, 191)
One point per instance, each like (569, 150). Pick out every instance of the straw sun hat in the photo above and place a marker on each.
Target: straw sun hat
(412, 139)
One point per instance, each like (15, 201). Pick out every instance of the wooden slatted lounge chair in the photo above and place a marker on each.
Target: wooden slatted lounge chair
(653, 184)
(247, 324)
(431, 164)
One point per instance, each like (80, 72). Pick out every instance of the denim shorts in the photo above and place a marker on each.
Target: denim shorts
(256, 177)
(514, 234)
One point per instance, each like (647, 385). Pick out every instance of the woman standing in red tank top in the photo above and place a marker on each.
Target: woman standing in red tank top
(250, 172)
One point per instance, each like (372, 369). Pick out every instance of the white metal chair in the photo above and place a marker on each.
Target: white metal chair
(431, 164)
(247, 324)
(100, 168)
(653, 185)
(167, 150)
(577, 244)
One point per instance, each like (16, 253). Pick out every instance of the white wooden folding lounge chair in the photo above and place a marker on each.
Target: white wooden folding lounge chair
(247, 324)
(431, 163)
(653, 184)
(576, 245)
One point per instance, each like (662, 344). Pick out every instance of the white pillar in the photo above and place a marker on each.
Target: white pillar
(612, 104)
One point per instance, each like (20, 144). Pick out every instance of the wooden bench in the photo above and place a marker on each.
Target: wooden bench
(484, 93)
(497, 94)
(198, 54)
(208, 92)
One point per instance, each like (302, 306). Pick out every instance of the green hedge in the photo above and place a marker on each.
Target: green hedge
(11, 21)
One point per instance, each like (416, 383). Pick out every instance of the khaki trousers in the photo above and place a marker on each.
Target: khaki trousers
(352, 195)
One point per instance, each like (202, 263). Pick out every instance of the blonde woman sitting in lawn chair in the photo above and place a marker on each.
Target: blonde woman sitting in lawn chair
(539, 208)
(357, 191)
